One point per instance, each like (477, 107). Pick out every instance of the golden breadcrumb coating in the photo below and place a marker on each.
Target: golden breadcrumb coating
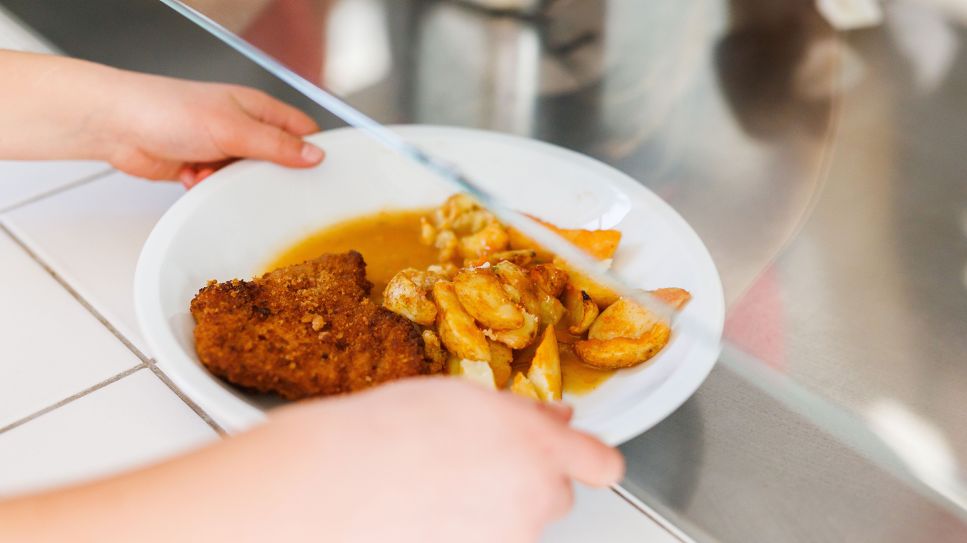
(305, 330)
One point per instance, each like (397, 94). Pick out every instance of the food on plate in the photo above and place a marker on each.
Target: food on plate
(522, 386)
(625, 332)
(457, 329)
(676, 298)
(501, 362)
(460, 230)
(545, 370)
(474, 370)
(388, 240)
(408, 294)
(623, 318)
(601, 244)
(480, 292)
(602, 295)
(305, 330)
(581, 310)
(500, 297)
(623, 352)
(457, 292)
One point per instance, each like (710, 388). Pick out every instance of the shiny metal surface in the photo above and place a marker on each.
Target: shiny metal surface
(865, 304)
(824, 172)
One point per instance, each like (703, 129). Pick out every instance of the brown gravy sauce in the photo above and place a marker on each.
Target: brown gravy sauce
(389, 241)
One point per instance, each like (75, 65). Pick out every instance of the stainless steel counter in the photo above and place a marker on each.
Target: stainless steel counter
(824, 171)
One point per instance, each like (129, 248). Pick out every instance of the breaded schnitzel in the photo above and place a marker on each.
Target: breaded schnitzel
(305, 330)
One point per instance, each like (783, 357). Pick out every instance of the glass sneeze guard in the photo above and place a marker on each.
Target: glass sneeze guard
(838, 397)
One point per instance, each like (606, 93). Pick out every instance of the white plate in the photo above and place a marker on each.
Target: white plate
(234, 223)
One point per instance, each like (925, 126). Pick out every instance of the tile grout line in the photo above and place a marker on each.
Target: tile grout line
(145, 360)
(661, 521)
(72, 397)
(57, 190)
(188, 401)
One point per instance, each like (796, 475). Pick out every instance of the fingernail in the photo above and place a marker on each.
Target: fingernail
(187, 177)
(312, 154)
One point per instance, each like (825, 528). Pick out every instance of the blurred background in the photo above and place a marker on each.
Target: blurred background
(818, 147)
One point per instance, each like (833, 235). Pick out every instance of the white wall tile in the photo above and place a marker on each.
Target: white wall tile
(602, 515)
(132, 422)
(50, 346)
(92, 235)
(21, 181)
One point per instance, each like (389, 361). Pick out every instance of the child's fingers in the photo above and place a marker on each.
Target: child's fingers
(187, 176)
(271, 111)
(587, 460)
(266, 142)
(558, 411)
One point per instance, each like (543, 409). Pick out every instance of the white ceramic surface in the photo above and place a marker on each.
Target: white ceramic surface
(91, 236)
(22, 180)
(51, 346)
(129, 423)
(233, 224)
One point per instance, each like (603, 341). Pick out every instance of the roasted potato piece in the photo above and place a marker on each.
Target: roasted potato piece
(454, 206)
(621, 352)
(433, 348)
(458, 331)
(600, 244)
(447, 244)
(545, 370)
(517, 338)
(501, 357)
(518, 286)
(551, 309)
(408, 294)
(492, 238)
(602, 295)
(520, 257)
(483, 296)
(549, 278)
(581, 310)
(458, 219)
(471, 222)
(444, 271)
(566, 337)
(674, 297)
(473, 370)
(522, 386)
(624, 319)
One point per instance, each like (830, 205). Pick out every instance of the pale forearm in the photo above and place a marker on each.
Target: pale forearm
(187, 499)
(223, 492)
(54, 107)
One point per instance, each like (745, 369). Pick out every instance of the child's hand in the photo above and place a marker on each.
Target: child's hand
(170, 129)
(149, 126)
(432, 460)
